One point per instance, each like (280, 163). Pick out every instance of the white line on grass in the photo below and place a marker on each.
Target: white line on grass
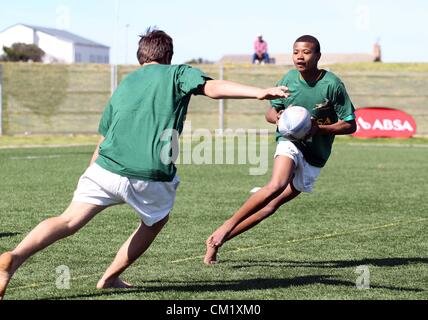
(320, 237)
(47, 146)
(53, 156)
(45, 284)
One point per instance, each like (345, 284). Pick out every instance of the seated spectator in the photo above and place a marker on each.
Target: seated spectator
(261, 55)
(377, 52)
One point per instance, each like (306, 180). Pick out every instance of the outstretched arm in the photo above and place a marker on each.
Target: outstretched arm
(223, 89)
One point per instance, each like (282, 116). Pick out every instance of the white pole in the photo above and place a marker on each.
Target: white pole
(116, 31)
(221, 104)
(1, 100)
(114, 79)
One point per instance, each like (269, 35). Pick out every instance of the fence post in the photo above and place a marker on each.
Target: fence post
(221, 104)
(1, 99)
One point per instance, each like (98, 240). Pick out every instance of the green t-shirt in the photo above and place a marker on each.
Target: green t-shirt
(327, 101)
(140, 120)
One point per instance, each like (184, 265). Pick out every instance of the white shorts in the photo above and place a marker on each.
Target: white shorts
(152, 200)
(305, 175)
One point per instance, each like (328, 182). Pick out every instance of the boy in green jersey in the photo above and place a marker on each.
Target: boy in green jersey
(130, 164)
(297, 164)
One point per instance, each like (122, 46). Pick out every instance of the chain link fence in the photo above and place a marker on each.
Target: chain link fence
(69, 99)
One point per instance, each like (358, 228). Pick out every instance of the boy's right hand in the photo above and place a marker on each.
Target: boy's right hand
(273, 93)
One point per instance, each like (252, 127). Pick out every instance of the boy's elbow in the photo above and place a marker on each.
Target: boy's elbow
(269, 119)
(352, 127)
(210, 90)
(271, 115)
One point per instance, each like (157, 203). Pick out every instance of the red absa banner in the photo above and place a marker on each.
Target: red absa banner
(378, 122)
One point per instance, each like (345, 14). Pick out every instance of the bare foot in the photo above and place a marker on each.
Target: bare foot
(215, 241)
(219, 237)
(211, 255)
(6, 260)
(117, 283)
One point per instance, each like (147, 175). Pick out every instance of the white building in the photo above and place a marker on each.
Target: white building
(59, 46)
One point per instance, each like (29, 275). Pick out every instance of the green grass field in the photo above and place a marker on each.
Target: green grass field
(369, 209)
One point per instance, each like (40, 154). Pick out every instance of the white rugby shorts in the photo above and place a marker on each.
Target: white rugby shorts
(152, 200)
(305, 175)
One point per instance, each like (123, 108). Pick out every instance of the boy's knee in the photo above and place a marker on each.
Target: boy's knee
(158, 225)
(276, 187)
(71, 225)
(164, 221)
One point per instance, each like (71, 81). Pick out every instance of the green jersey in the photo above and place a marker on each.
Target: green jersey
(139, 121)
(327, 101)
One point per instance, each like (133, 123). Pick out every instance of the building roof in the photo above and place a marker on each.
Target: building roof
(65, 35)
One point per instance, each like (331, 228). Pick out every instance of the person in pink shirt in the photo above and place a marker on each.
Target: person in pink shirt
(260, 51)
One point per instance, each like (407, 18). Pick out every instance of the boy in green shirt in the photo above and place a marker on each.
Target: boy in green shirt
(133, 161)
(297, 164)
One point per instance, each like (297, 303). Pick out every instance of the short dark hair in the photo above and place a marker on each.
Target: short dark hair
(311, 39)
(155, 46)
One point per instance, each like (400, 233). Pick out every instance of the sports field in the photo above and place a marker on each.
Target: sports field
(369, 210)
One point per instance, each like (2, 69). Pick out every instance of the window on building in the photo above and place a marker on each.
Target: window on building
(78, 57)
(92, 59)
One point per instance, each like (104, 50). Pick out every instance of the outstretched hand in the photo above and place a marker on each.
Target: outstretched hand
(273, 93)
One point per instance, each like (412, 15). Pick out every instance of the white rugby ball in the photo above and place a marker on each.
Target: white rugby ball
(295, 123)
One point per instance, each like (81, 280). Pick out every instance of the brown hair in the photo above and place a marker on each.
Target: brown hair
(155, 46)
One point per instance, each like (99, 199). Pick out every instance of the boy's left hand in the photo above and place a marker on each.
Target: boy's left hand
(273, 93)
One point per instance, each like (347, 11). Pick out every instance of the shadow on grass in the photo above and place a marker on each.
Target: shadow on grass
(8, 234)
(221, 286)
(213, 286)
(382, 262)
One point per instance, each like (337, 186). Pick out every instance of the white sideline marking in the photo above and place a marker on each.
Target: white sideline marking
(320, 237)
(54, 156)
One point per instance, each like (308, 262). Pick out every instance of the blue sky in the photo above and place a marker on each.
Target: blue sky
(209, 29)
